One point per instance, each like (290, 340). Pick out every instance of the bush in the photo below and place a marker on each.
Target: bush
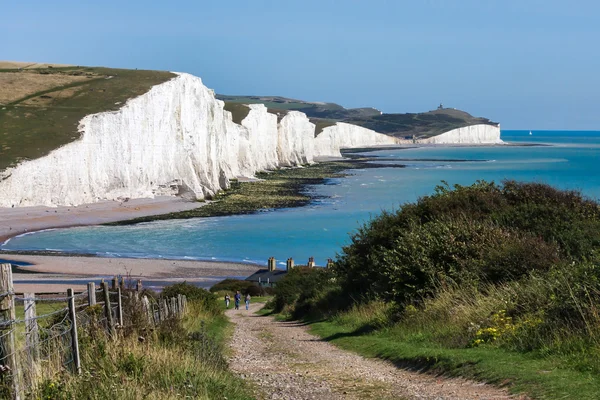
(245, 287)
(484, 233)
(302, 291)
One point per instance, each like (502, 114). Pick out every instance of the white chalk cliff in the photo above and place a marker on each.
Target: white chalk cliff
(474, 134)
(177, 139)
(333, 138)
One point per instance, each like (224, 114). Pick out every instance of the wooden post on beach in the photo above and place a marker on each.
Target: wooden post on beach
(8, 357)
(108, 310)
(91, 294)
(114, 283)
(74, 338)
(32, 333)
(119, 308)
(138, 285)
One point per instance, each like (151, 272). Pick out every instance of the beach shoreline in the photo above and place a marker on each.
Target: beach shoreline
(57, 273)
(21, 220)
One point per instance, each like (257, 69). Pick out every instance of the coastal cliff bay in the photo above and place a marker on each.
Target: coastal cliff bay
(77, 135)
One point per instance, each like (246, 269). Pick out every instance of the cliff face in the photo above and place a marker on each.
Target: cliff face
(177, 139)
(342, 135)
(474, 134)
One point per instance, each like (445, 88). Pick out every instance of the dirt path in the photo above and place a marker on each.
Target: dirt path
(284, 361)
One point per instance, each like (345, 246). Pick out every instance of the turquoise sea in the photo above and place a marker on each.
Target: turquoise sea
(568, 160)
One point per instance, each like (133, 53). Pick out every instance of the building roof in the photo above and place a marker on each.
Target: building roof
(267, 276)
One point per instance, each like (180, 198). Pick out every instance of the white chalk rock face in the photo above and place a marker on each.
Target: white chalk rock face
(296, 139)
(262, 140)
(474, 134)
(177, 139)
(344, 136)
(174, 139)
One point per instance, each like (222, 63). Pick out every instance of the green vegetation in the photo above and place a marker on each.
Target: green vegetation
(494, 282)
(44, 118)
(238, 111)
(321, 124)
(180, 359)
(281, 188)
(421, 125)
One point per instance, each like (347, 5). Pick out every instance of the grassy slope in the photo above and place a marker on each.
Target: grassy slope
(32, 126)
(542, 378)
(173, 367)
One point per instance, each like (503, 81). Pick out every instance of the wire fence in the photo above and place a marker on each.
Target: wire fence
(39, 334)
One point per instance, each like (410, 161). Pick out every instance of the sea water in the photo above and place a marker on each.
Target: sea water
(568, 160)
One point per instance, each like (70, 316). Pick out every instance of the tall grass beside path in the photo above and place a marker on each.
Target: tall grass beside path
(182, 358)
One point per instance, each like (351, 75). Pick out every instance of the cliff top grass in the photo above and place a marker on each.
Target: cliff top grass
(41, 104)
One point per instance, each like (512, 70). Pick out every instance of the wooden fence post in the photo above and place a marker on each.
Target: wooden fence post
(7, 337)
(119, 307)
(32, 333)
(74, 338)
(165, 308)
(91, 293)
(108, 309)
(138, 285)
(174, 313)
(179, 306)
(148, 309)
(114, 283)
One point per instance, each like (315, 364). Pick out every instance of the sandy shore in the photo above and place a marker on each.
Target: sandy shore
(57, 273)
(19, 220)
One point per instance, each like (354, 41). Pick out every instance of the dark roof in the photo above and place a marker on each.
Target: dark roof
(266, 275)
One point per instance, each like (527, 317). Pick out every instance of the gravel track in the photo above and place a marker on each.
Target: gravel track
(283, 361)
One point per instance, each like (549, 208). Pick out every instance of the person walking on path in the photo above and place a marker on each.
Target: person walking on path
(247, 301)
(237, 298)
(227, 300)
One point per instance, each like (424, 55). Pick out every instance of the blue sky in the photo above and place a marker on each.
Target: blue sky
(528, 64)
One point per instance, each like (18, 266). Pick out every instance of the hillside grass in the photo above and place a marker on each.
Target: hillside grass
(179, 359)
(539, 376)
(499, 283)
(40, 121)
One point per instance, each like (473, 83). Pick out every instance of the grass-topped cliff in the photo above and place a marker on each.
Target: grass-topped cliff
(421, 125)
(42, 104)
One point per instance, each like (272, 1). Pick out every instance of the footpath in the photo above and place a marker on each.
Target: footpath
(282, 360)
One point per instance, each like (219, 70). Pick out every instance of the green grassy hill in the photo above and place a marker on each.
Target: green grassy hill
(40, 108)
(421, 125)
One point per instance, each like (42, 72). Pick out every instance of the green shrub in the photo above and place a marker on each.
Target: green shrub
(484, 233)
(245, 287)
(303, 291)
